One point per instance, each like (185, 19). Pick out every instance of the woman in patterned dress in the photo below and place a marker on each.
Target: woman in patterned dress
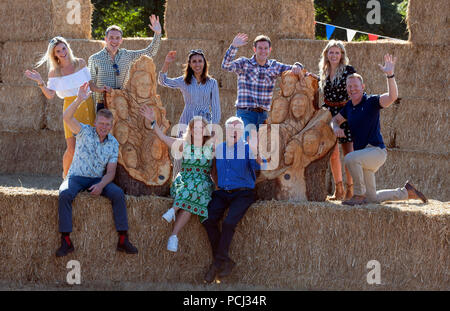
(200, 91)
(192, 186)
(334, 70)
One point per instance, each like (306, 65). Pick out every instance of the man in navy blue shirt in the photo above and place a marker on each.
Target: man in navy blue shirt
(362, 112)
(235, 165)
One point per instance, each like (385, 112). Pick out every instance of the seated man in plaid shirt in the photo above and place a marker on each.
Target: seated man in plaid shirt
(109, 67)
(256, 78)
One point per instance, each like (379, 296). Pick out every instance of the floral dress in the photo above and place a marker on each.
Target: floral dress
(193, 186)
(337, 92)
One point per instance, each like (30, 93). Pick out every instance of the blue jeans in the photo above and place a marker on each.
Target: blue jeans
(251, 117)
(73, 185)
(238, 202)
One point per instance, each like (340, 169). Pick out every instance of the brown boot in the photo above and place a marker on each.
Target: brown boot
(413, 193)
(349, 192)
(356, 200)
(338, 192)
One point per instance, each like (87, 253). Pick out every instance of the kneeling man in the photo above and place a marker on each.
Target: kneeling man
(93, 168)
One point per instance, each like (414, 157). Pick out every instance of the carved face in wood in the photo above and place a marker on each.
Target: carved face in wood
(299, 105)
(280, 110)
(142, 84)
(288, 81)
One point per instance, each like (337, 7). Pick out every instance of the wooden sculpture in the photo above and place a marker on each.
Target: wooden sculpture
(144, 165)
(304, 137)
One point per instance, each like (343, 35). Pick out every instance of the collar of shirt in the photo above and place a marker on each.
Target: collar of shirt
(255, 63)
(108, 56)
(363, 99)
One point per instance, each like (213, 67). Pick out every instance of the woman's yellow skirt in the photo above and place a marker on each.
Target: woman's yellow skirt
(84, 114)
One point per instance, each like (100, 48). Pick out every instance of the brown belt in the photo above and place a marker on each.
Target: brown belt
(252, 109)
(334, 104)
(235, 190)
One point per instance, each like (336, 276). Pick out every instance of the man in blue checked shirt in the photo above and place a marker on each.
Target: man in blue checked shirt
(93, 168)
(256, 78)
(235, 166)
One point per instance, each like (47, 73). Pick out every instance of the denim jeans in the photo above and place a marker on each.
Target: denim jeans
(73, 185)
(251, 117)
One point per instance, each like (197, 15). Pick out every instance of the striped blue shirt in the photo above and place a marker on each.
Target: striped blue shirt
(199, 99)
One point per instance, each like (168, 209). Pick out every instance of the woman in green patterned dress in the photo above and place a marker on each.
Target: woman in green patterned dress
(192, 187)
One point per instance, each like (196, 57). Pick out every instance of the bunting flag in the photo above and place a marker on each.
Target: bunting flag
(373, 37)
(350, 34)
(330, 30)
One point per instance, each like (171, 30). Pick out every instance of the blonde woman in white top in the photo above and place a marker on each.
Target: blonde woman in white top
(66, 74)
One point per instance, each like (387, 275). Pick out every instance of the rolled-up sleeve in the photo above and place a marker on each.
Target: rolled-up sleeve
(150, 50)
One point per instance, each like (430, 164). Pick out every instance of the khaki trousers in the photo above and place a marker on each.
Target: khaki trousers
(362, 165)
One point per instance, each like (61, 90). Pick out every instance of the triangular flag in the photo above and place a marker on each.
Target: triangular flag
(330, 30)
(373, 37)
(350, 34)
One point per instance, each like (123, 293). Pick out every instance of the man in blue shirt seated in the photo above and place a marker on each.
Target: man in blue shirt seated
(96, 151)
(363, 115)
(235, 166)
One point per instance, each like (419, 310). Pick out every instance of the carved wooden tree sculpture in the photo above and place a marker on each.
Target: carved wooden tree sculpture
(144, 165)
(305, 136)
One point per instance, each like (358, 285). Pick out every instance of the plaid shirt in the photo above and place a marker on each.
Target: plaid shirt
(255, 82)
(101, 65)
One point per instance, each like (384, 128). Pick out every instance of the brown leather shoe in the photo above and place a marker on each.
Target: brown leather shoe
(338, 192)
(413, 193)
(211, 274)
(356, 200)
(349, 191)
(227, 267)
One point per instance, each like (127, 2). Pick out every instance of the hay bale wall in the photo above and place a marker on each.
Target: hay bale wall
(223, 19)
(428, 22)
(310, 246)
(24, 20)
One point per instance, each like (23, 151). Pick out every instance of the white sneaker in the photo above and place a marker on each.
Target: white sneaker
(169, 215)
(172, 243)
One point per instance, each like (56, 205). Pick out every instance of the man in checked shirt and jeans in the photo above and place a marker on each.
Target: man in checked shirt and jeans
(109, 67)
(256, 78)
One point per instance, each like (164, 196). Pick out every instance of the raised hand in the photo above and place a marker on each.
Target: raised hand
(34, 75)
(147, 112)
(154, 24)
(84, 92)
(170, 57)
(241, 39)
(389, 64)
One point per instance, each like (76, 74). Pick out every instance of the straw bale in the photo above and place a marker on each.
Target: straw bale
(429, 172)
(24, 20)
(304, 246)
(33, 152)
(428, 22)
(224, 19)
(21, 108)
(420, 125)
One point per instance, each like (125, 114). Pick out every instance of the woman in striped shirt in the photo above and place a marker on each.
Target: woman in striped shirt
(200, 91)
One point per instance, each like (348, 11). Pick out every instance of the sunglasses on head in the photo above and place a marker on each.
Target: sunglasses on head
(198, 51)
(116, 69)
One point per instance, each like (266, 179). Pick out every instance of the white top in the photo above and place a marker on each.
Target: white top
(67, 86)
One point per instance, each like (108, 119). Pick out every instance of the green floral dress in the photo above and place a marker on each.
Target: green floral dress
(193, 186)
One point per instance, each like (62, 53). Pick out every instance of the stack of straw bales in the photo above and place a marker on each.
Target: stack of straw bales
(223, 19)
(302, 246)
(428, 22)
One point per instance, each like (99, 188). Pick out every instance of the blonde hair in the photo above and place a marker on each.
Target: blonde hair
(324, 64)
(187, 137)
(50, 58)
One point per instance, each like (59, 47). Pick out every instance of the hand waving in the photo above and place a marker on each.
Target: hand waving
(84, 92)
(147, 113)
(170, 57)
(241, 39)
(154, 24)
(34, 75)
(389, 64)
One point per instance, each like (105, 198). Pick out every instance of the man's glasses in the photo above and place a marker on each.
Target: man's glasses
(116, 69)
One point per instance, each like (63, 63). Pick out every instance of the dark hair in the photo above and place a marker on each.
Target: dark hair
(262, 38)
(105, 113)
(188, 72)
